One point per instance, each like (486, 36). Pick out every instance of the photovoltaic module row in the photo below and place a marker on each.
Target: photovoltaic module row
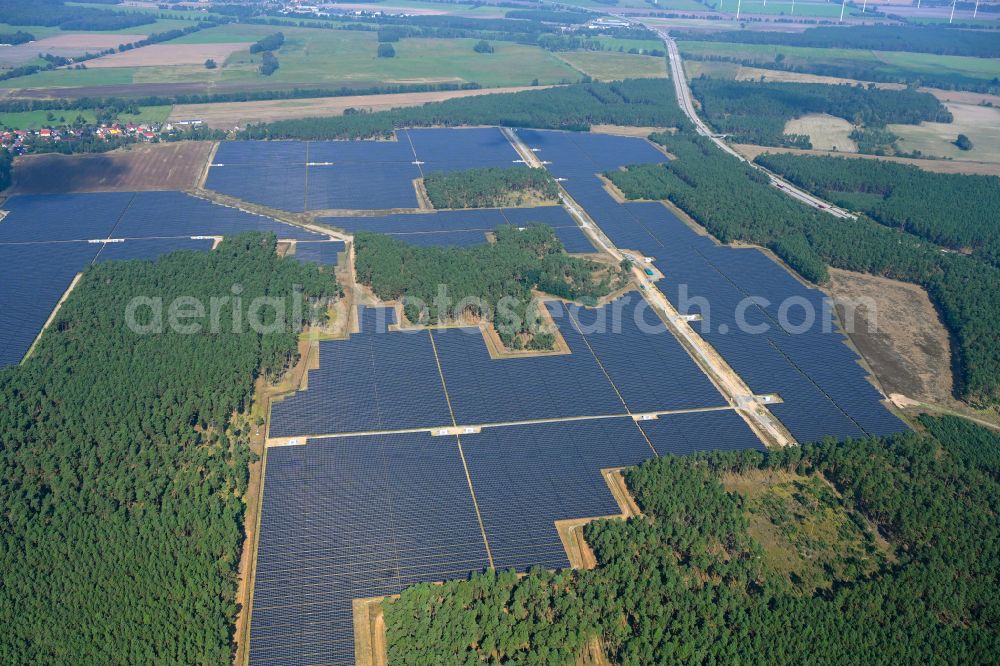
(323, 253)
(824, 388)
(351, 518)
(365, 516)
(462, 228)
(351, 175)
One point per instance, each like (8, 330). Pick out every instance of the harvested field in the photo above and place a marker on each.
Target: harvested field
(825, 132)
(903, 339)
(65, 45)
(158, 55)
(162, 166)
(935, 166)
(231, 114)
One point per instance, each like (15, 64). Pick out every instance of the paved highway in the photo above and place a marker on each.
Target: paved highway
(684, 99)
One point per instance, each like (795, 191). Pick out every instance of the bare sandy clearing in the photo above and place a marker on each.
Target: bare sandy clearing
(158, 55)
(897, 330)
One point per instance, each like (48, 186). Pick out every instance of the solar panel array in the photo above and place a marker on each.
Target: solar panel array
(323, 253)
(526, 477)
(354, 517)
(351, 175)
(370, 382)
(691, 432)
(45, 240)
(824, 388)
(462, 228)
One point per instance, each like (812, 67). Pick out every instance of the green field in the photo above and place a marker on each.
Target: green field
(895, 63)
(335, 57)
(614, 43)
(332, 58)
(614, 66)
(39, 31)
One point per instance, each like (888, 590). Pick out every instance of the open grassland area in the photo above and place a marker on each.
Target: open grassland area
(614, 66)
(811, 539)
(980, 123)
(321, 58)
(825, 132)
(160, 166)
(226, 115)
(884, 63)
(418, 8)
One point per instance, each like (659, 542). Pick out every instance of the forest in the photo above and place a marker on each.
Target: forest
(756, 112)
(639, 102)
(14, 38)
(735, 203)
(686, 583)
(956, 211)
(69, 17)
(491, 187)
(6, 165)
(489, 281)
(124, 461)
(935, 39)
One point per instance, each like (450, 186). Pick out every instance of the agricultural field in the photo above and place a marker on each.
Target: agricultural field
(885, 63)
(225, 115)
(614, 66)
(160, 166)
(320, 58)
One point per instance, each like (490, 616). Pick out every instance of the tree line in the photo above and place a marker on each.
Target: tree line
(956, 211)
(639, 102)
(123, 470)
(756, 112)
(68, 17)
(736, 203)
(495, 279)
(684, 582)
(935, 39)
(15, 38)
(491, 187)
(271, 42)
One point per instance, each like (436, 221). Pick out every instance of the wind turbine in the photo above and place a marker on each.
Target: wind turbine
(976, 10)
(739, 3)
(952, 17)
(842, 6)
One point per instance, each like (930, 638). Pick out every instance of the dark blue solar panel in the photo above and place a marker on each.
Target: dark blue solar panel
(527, 477)
(362, 186)
(158, 214)
(487, 390)
(321, 252)
(275, 183)
(354, 517)
(574, 240)
(33, 277)
(52, 217)
(149, 248)
(446, 220)
(648, 366)
(691, 432)
(444, 238)
(466, 148)
(361, 151)
(257, 152)
(372, 381)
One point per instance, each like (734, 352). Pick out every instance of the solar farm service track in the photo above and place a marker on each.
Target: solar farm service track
(45, 240)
